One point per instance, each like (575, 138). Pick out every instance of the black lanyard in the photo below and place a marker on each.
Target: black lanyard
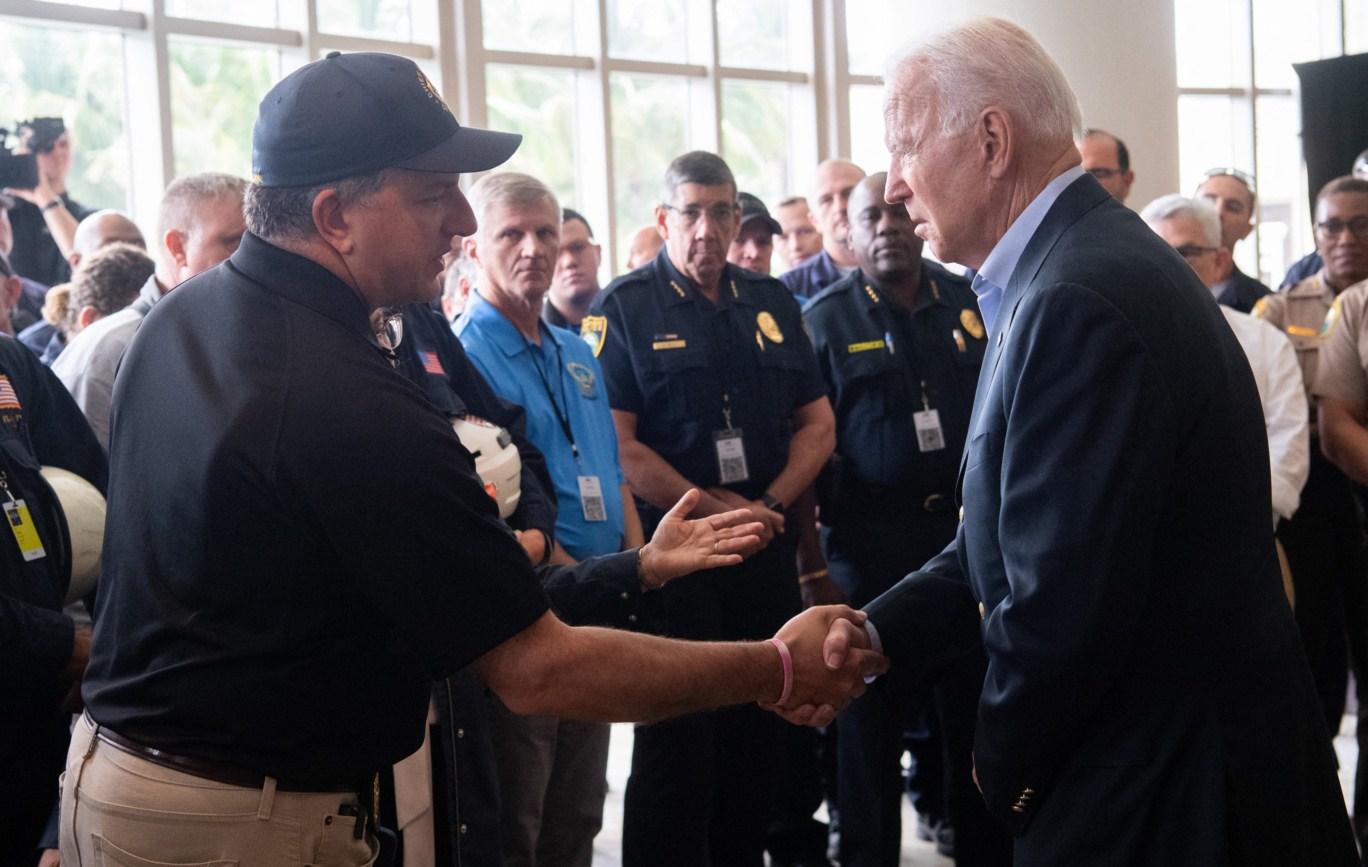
(562, 415)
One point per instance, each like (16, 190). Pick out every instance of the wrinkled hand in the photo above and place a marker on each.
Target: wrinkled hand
(773, 521)
(534, 543)
(681, 545)
(831, 659)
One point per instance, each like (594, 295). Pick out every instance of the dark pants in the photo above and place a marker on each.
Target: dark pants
(701, 791)
(1325, 551)
(866, 557)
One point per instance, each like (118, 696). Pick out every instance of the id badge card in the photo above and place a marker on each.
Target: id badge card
(25, 532)
(930, 437)
(591, 499)
(731, 456)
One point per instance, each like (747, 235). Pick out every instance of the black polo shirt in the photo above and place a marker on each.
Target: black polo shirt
(678, 362)
(36, 255)
(297, 542)
(883, 364)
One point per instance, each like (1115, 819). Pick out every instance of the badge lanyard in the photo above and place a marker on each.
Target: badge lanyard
(729, 442)
(927, 422)
(590, 487)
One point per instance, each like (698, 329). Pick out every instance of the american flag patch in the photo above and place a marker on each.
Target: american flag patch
(8, 399)
(432, 364)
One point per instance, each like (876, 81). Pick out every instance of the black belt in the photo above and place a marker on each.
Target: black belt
(859, 493)
(221, 772)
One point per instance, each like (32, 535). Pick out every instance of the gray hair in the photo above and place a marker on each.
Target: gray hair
(696, 167)
(286, 213)
(183, 197)
(510, 189)
(1175, 206)
(108, 280)
(992, 62)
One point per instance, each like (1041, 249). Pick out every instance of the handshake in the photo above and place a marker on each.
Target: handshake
(826, 656)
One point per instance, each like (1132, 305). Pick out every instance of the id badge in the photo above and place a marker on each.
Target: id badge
(591, 499)
(930, 437)
(731, 456)
(25, 533)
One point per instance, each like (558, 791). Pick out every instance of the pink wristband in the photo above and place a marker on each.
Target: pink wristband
(787, 659)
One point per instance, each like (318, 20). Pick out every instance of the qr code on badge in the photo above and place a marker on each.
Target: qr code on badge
(733, 469)
(593, 510)
(930, 440)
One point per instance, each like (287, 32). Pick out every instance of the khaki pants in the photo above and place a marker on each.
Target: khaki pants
(120, 810)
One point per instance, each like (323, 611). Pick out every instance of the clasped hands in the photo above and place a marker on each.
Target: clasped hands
(832, 656)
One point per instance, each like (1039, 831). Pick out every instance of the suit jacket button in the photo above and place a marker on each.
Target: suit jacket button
(981, 611)
(961, 514)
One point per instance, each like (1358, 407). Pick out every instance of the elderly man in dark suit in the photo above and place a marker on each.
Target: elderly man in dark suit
(1147, 701)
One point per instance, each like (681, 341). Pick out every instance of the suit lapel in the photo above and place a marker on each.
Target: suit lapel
(1077, 199)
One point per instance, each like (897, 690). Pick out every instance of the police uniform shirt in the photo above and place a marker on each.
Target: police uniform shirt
(883, 364)
(36, 255)
(1300, 312)
(681, 363)
(557, 383)
(297, 543)
(1342, 371)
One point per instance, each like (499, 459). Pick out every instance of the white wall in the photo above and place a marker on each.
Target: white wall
(1117, 54)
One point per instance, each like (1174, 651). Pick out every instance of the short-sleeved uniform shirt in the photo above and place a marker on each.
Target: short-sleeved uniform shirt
(559, 385)
(1342, 372)
(297, 542)
(1300, 312)
(689, 369)
(884, 364)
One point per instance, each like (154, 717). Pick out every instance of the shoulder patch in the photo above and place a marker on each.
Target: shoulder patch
(1332, 316)
(594, 329)
(1260, 307)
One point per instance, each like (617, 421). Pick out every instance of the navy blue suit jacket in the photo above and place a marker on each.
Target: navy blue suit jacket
(1147, 699)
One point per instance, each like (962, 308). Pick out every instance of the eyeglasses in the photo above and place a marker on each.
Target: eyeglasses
(1192, 251)
(1104, 174)
(1243, 177)
(719, 214)
(1330, 229)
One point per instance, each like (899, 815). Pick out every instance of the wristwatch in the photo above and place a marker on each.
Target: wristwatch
(772, 503)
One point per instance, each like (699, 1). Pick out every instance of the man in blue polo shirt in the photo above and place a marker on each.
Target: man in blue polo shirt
(552, 772)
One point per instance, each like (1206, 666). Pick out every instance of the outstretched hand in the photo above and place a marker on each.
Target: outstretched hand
(681, 545)
(831, 659)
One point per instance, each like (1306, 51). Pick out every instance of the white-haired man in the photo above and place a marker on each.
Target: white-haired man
(1147, 700)
(1193, 228)
(200, 225)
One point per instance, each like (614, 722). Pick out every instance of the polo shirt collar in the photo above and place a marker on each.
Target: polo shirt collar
(503, 333)
(302, 281)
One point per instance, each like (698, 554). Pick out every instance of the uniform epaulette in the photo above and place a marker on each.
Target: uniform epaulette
(842, 285)
(641, 275)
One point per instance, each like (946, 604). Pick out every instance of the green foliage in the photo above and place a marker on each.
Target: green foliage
(539, 103)
(215, 91)
(650, 128)
(53, 71)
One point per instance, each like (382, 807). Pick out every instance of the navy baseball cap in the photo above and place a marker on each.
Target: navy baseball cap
(754, 209)
(354, 114)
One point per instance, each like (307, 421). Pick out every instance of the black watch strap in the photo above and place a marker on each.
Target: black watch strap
(772, 503)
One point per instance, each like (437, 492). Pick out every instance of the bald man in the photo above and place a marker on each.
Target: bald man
(643, 247)
(1106, 158)
(101, 229)
(831, 188)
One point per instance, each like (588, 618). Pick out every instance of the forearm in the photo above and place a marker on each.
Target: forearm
(809, 449)
(62, 225)
(632, 534)
(1344, 442)
(581, 673)
(658, 483)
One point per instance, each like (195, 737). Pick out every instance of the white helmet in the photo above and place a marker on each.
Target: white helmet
(82, 527)
(496, 460)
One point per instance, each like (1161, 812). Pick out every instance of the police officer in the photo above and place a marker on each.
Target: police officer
(899, 342)
(44, 651)
(713, 384)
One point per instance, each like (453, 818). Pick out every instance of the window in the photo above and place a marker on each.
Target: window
(657, 31)
(540, 104)
(1236, 107)
(867, 148)
(215, 90)
(257, 13)
(650, 128)
(545, 26)
(60, 72)
(376, 19)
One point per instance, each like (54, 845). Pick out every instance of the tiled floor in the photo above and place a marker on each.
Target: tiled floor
(607, 848)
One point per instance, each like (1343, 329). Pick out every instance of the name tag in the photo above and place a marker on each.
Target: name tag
(930, 437)
(669, 344)
(731, 456)
(591, 499)
(25, 533)
(865, 346)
